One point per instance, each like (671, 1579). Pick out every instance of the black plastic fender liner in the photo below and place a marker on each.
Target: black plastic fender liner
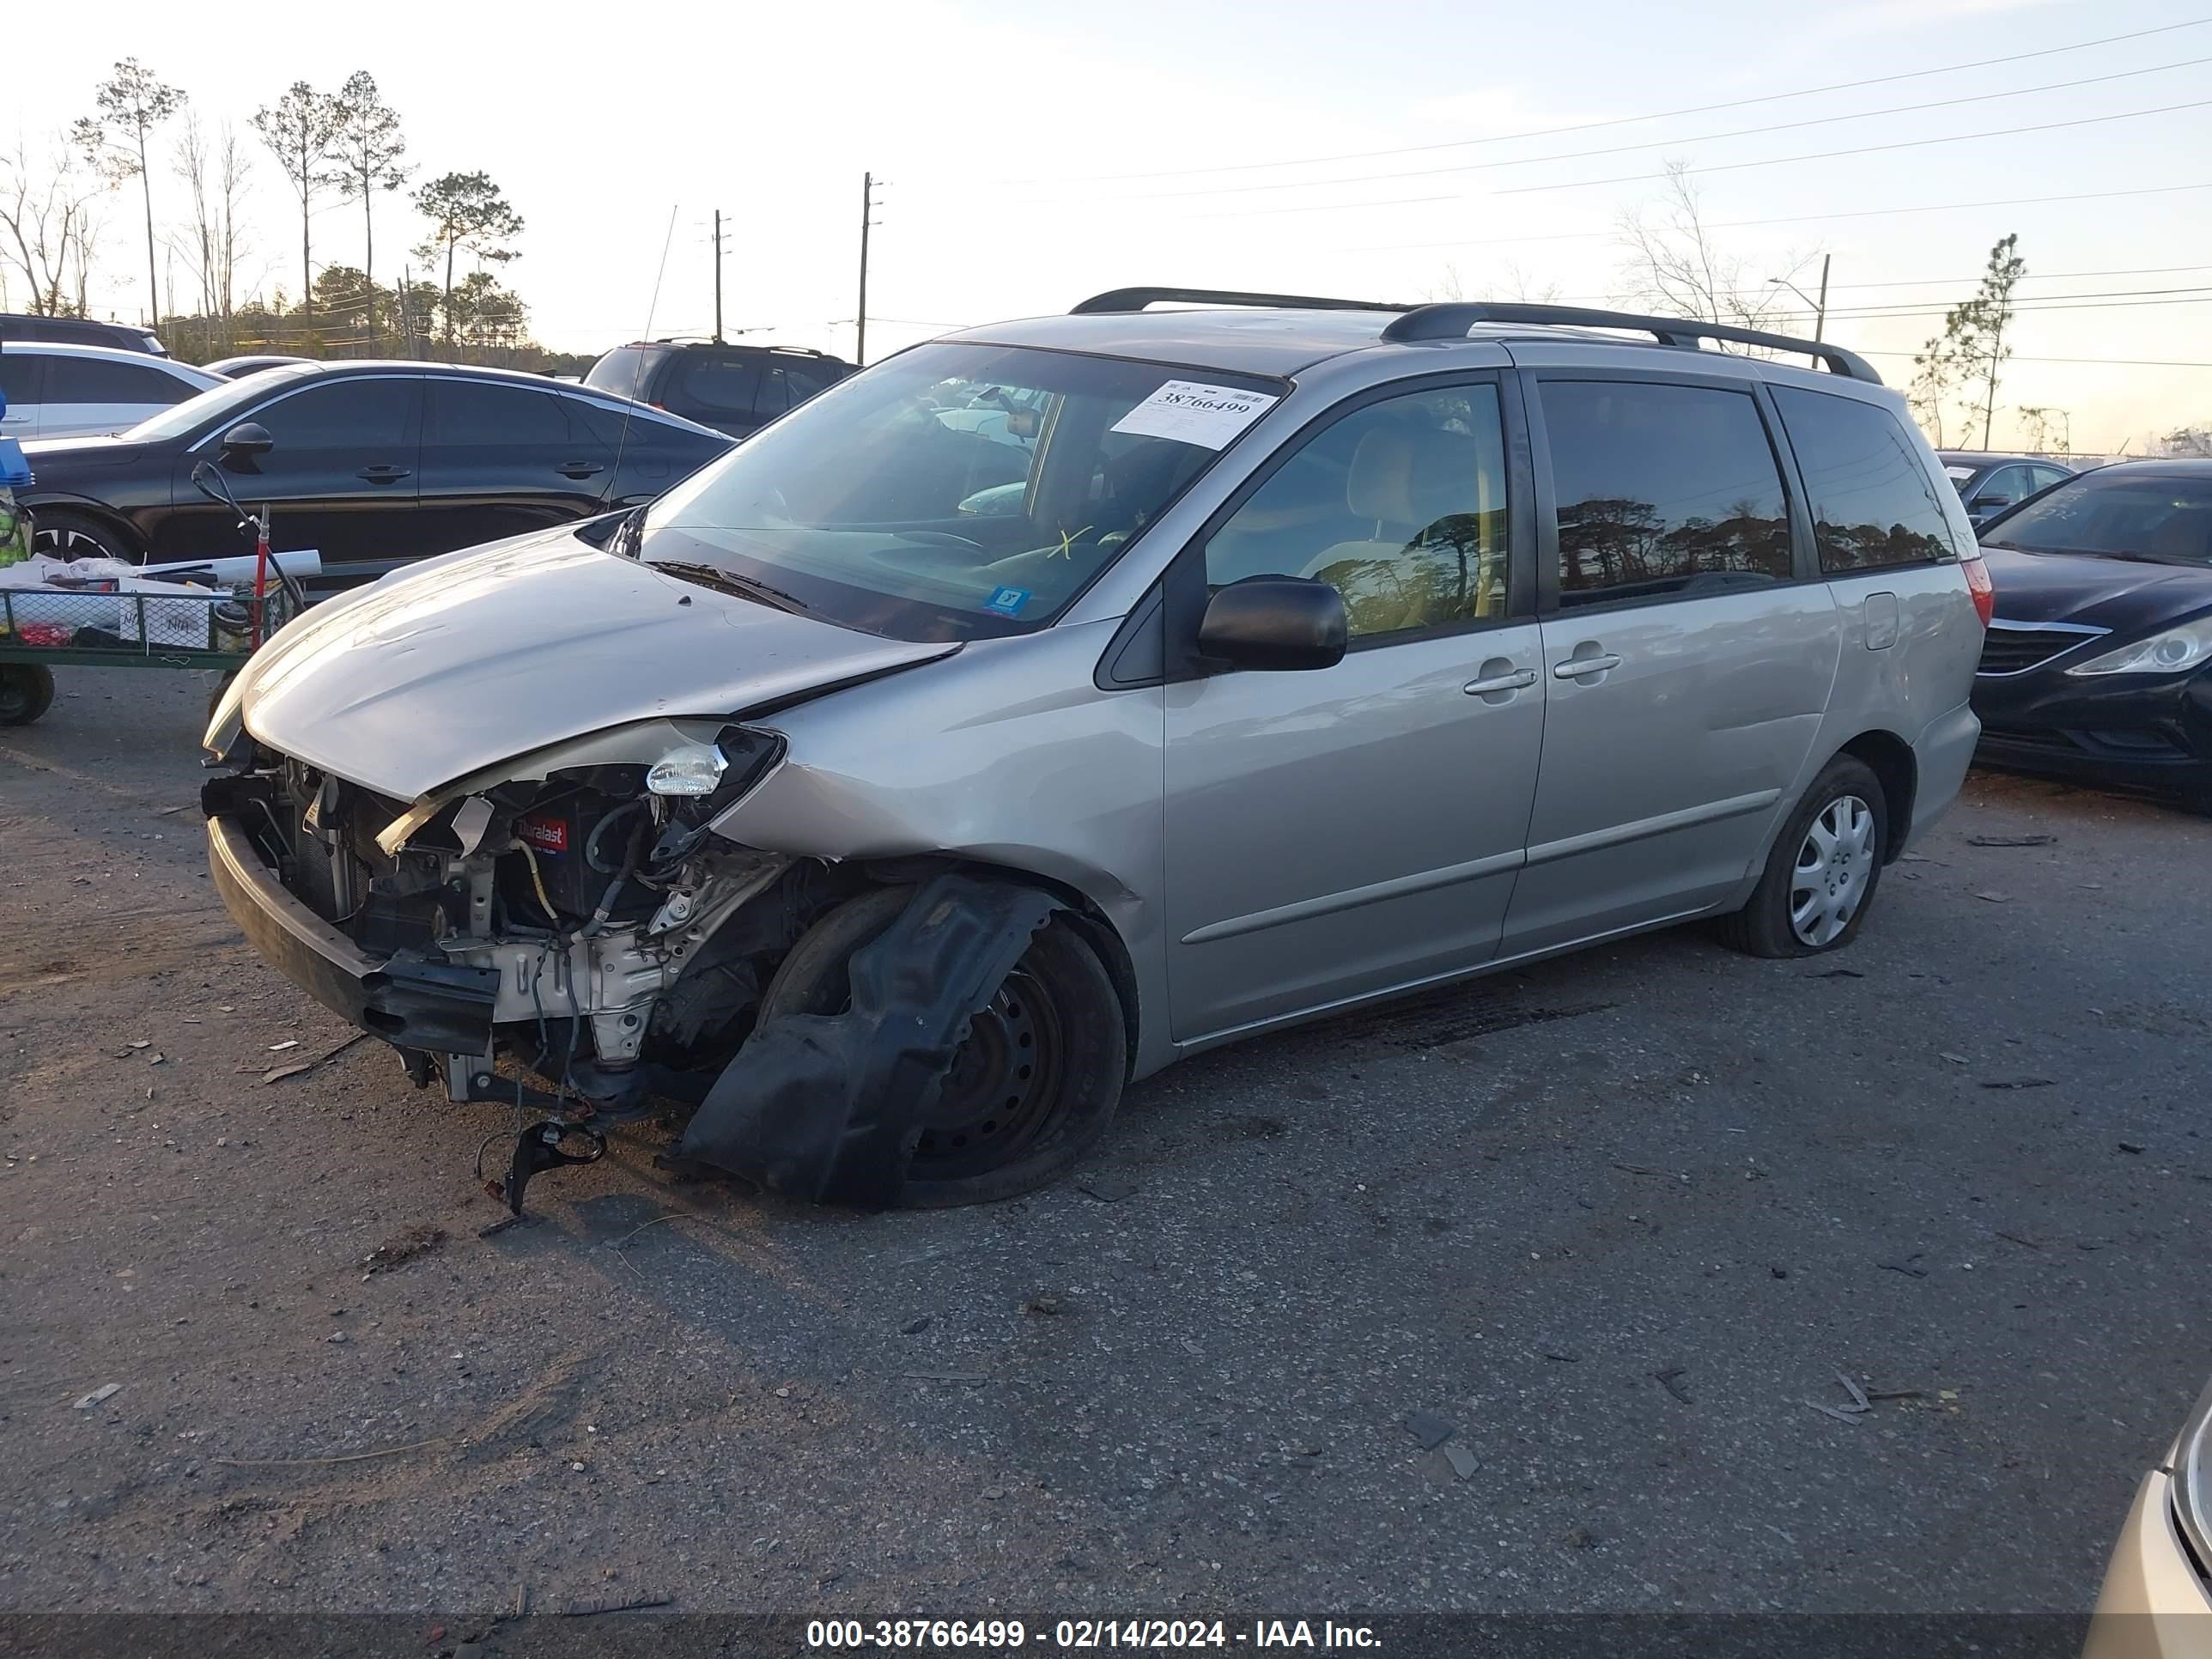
(828, 1107)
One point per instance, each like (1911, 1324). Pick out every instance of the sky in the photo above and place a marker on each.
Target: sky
(1396, 150)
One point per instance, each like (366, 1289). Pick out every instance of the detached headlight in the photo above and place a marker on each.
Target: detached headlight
(2192, 1478)
(2170, 653)
(690, 769)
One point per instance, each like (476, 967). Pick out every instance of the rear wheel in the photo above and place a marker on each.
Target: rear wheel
(26, 691)
(1032, 1088)
(1820, 877)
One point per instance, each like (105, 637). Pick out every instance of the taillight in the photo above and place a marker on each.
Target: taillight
(1979, 585)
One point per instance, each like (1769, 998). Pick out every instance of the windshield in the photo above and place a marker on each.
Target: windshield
(209, 408)
(2117, 515)
(954, 491)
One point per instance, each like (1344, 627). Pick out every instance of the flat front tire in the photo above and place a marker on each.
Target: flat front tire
(1032, 1088)
(1822, 871)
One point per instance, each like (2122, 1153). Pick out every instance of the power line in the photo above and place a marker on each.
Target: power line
(2113, 363)
(1658, 143)
(1788, 219)
(1869, 150)
(1625, 120)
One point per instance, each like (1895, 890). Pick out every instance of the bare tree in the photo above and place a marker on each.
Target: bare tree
(133, 101)
(301, 129)
(1519, 286)
(2037, 423)
(1676, 267)
(49, 220)
(214, 171)
(369, 146)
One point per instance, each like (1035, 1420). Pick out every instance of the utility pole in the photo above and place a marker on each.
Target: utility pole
(718, 275)
(867, 217)
(1820, 311)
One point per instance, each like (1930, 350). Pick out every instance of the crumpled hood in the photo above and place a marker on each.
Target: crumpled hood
(2121, 594)
(422, 679)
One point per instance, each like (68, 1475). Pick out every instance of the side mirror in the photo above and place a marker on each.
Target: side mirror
(1275, 622)
(247, 437)
(1987, 504)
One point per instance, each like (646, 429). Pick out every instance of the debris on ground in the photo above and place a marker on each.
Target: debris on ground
(1430, 1429)
(1861, 1402)
(402, 1247)
(914, 1327)
(616, 1604)
(277, 1075)
(2020, 1083)
(279, 1048)
(1671, 1380)
(1108, 1188)
(105, 1391)
(1995, 899)
(1906, 1267)
(1049, 1307)
(2130, 1147)
(1460, 1459)
(2012, 841)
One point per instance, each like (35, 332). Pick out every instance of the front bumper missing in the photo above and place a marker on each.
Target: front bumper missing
(409, 1001)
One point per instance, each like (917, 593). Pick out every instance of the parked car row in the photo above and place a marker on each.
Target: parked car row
(372, 465)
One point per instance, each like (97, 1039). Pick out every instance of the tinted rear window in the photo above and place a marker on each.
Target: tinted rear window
(1874, 505)
(628, 370)
(1659, 487)
(97, 380)
(479, 412)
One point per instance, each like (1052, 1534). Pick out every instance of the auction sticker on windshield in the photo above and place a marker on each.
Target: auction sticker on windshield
(1191, 412)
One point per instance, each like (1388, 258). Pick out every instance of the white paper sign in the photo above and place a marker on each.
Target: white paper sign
(1191, 412)
(1958, 474)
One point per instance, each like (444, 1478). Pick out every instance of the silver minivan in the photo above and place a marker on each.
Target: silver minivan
(889, 795)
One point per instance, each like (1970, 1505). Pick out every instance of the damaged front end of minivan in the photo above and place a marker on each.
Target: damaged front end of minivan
(567, 932)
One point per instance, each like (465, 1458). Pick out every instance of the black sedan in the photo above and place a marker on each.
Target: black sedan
(371, 465)
(2099, 664)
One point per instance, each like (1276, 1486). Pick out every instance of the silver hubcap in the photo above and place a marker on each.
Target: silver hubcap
(1834, 866)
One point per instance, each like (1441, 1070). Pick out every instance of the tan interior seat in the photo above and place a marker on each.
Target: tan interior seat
(1403, 480)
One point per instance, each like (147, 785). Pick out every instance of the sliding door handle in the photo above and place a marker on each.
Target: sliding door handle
(1519, 680)
(1576, 668)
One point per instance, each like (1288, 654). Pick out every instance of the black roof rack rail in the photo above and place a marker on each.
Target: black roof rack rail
(1450, 320)
(1136, 298)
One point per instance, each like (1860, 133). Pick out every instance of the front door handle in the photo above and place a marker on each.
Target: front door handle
(579, 468)
(1518, 680)
(383, 474)
(1576, 668)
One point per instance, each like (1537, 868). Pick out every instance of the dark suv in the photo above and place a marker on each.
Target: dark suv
(737, 389)
(80, 330)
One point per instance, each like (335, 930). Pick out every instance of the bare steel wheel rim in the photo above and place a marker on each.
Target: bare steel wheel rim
(998, 1100)
(1835, 867)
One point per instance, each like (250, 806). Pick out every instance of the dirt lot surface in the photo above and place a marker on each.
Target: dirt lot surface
(1611, 1223)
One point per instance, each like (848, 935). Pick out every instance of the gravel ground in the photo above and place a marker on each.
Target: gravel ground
(1610, 1223)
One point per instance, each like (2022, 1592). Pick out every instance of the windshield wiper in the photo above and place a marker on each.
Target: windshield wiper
(728, 582)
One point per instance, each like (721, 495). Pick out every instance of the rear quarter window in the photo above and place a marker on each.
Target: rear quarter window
(95, 381)
(1874, 501)
(626, 370)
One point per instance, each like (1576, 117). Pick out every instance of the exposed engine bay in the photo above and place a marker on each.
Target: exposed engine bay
(589, 924)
